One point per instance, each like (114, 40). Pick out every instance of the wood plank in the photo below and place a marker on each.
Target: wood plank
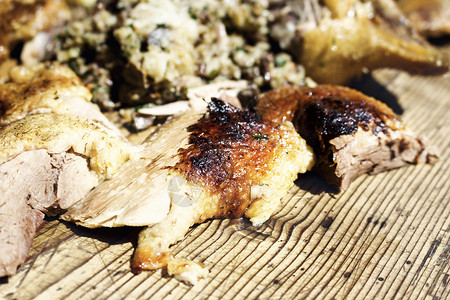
(388, 236)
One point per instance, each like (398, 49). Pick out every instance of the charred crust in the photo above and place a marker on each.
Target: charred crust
(228, 151)
(393, 154)
(335, 111)
(325, 112)
(403, 145)
(330, 110)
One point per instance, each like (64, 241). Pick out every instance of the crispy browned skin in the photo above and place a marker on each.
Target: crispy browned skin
(240, 163)
(351, 133)
(279, 105)
(43, 86)
(228, 153)
(331, 110)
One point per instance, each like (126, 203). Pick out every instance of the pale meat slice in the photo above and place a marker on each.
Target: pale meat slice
(33, 183)
(226, 164)
(45, 88)
(18, 220)
(138, 194)
(336, 41)
(351, 133)
(47, 163)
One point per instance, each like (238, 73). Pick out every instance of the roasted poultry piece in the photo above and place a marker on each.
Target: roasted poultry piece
(430, 17)
(55, 146)
(337, 40)
(351, 133)
(226, 164)
(45, 88)
(48, 162)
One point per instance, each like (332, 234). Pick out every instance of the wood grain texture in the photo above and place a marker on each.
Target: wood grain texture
(387, 237)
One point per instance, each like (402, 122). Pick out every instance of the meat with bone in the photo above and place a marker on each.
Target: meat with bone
(351, 133)
(47, 163)
(226, 164)
(337, 40)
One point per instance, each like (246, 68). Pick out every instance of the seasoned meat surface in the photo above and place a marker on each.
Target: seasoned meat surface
(59, 133)
(228, 147)
(228, 163)
(351, 133)
(47, 163)
(47, 88)
(236, 164)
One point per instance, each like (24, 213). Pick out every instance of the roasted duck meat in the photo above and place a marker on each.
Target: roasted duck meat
(47, 88)
(145, 201)
(55, 146)
(338, 40)
(351, 133)
(430, 17)
(226, 164)
(48, 162)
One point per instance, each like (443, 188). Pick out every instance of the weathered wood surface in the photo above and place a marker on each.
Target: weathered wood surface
(388, 236)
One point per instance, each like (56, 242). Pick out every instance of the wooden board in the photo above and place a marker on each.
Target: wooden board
(388, 236)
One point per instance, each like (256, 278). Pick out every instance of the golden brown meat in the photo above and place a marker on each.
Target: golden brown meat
(235, 164)
(430, 17)
(47, 88)
(343, 39)
(228, 164)
(41, 88)
(58, 133)
(351, 133)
